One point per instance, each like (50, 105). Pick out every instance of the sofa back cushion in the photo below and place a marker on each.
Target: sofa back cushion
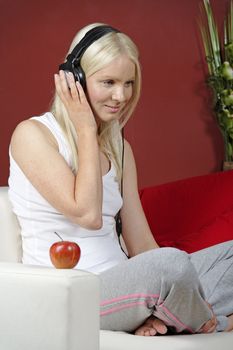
(193, 213)
(10, 239)
(189, 214)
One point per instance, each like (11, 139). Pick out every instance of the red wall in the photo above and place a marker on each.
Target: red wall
(173, 132)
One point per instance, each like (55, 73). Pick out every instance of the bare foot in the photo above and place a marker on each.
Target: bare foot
(151, 327)
(230, 324)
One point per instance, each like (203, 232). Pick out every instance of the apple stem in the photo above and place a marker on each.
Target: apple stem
(58, 236)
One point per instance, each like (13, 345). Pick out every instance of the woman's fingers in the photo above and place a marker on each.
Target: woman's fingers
(209, 326)
(76, 88)
(66, 87)
(58, 86)
(73, 88)
(73, 97)
(81, 92)
(63, 83)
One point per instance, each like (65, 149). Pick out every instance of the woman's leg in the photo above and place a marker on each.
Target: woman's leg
(161, 282)
(214, 266)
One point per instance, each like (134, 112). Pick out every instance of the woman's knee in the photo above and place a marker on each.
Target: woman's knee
(170, 256)
(174, 263)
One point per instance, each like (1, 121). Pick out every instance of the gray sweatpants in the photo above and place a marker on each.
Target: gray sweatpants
(171, 285)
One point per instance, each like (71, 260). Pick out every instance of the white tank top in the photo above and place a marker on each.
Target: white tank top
(100, 249)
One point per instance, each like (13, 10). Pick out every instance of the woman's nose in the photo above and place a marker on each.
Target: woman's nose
(119, 94)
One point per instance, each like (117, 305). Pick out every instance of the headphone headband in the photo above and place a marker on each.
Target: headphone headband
(89, 38)
(72, 63)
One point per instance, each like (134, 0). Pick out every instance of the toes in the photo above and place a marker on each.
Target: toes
(145, 331)
(159, 326)
(151, 327)
(141, 331)
(152, 331)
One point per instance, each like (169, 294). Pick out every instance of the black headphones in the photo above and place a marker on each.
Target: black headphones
(72, 63)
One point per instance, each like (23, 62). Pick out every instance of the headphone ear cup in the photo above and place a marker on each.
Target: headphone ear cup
(79, 75)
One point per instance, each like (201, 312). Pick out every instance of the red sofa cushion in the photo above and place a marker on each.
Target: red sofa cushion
(193, 213)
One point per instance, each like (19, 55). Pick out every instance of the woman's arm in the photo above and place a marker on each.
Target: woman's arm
(36, 152)
(136, 232)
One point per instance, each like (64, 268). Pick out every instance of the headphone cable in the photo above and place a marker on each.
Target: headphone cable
(118, 216)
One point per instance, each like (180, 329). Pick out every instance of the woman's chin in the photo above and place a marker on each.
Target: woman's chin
(107, 117)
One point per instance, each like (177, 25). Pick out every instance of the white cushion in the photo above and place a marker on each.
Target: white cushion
(122, 341)
(10, 239)
(48, 309)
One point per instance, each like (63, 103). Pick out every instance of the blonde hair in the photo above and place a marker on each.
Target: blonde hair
(98, 55)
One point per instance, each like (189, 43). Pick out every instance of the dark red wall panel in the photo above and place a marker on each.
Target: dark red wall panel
(173, 132)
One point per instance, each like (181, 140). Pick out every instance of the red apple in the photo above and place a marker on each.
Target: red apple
(64, 254)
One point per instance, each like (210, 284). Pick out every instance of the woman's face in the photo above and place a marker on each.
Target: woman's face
(111, 88)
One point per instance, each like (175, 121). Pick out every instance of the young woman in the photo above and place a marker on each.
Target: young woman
(66, 175)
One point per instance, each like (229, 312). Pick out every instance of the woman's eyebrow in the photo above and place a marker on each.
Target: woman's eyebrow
(111, 77)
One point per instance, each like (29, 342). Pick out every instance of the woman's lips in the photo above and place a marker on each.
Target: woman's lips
(113, 109)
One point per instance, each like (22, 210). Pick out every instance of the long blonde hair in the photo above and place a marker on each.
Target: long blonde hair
(99, 54)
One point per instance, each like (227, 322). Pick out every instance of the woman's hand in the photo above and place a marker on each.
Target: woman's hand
(73, 97)
(209, 326)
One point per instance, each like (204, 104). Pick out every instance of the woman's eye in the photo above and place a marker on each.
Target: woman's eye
(108, 82)
(129, 83)
(111, 82)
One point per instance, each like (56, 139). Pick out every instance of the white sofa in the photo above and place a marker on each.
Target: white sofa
(49, 309)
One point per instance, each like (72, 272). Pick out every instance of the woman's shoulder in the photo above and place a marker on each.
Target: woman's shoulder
(26, 128)
(32, 129)
(29, 133)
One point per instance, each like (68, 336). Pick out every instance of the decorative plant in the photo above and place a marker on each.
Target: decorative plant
(219, 58)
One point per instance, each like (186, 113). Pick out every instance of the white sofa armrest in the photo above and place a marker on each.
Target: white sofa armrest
(45, 308)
